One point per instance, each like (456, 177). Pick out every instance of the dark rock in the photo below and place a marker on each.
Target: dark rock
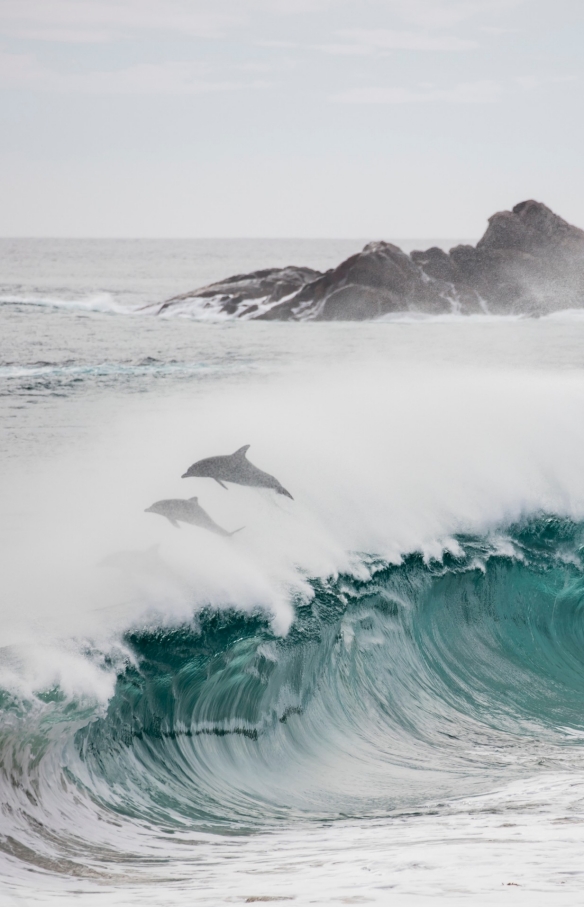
(377, 281)
(436, 263)
(232, 296)
(529, 227)
(357, 303)
(529, 261)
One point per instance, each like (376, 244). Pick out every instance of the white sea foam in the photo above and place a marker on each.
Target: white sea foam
(566, 315)
(210, 310)
(519, 845)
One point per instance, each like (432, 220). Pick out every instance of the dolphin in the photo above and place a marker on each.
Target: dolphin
(187, 511)
(235, 468)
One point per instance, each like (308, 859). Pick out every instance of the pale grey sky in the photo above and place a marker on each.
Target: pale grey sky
(371, 118)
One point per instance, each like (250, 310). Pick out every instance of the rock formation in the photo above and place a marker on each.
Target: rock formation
(529, 261)
(244, 295)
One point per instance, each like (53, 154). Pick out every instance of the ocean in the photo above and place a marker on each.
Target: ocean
(372, 693)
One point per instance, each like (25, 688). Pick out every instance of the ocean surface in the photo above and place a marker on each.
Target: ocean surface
(373, 693)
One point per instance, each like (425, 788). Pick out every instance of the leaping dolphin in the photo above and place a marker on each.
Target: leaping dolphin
(187, 511)
(235, 468)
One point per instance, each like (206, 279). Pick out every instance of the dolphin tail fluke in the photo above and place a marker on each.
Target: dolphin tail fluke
(235, 531)
(222, 484)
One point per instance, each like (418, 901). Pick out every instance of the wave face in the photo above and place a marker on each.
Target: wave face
(424, 680)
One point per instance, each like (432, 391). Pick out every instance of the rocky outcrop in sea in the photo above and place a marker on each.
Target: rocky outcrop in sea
(529, 261)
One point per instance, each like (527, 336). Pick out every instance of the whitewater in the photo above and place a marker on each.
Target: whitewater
(374, 693)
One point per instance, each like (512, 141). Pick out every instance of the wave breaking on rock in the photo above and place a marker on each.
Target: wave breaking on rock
(529, 262)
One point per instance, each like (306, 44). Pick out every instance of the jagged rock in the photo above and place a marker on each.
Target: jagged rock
(377, 281)
(435, 263)
(232, 297)
(528, 261)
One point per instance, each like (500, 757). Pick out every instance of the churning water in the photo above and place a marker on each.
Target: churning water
(374, 693)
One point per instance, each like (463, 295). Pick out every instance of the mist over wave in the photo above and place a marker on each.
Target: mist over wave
(381, 461)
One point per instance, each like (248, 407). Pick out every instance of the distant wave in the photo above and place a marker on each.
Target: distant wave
(57, 378)
(95, 302)
(105, 369)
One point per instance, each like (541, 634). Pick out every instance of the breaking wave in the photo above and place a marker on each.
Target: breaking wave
(408, 631)
(396, 687)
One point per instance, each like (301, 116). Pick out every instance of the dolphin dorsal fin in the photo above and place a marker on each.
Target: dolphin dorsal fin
(194, 500)
(242, 451)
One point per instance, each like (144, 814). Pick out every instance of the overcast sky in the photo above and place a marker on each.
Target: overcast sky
(335, 118)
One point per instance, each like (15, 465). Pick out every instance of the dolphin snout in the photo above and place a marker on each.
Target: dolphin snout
(185, 475)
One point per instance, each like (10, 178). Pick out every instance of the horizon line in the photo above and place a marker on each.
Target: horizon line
(239, 238)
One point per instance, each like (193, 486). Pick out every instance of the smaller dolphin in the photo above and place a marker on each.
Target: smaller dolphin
(235, 468)
(187, 511)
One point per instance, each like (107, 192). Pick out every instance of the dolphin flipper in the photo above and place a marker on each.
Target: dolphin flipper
(221, 483)
(174, 522)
